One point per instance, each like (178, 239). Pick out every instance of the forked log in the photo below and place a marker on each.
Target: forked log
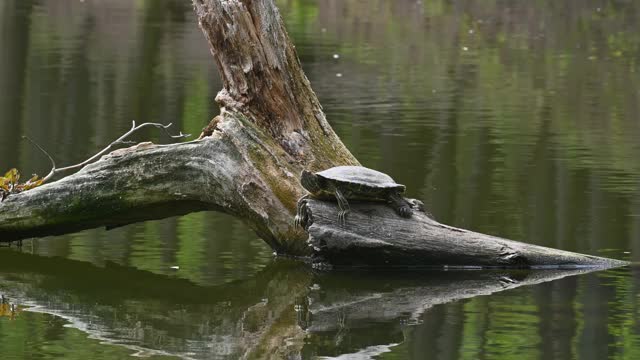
(271, 127)
(375, 236)
(236, 170)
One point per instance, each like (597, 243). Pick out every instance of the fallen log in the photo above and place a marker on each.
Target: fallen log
(247, 163)
(233, 170)
(375, 236)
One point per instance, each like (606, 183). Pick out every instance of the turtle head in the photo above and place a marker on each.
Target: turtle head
(310, 181)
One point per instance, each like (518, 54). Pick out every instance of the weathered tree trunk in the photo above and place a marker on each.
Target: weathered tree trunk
(271, 127)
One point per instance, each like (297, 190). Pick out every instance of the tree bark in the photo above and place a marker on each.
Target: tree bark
(247, 163)
(264, 81)
(238, 170)
(375, 236)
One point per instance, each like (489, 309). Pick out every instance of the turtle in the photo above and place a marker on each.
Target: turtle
(344, 183)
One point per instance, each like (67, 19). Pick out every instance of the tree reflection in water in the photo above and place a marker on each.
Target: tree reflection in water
(286, 310)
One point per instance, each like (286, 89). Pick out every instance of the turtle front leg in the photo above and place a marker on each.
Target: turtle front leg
(400, 205)
(302, 213)
(343, 204)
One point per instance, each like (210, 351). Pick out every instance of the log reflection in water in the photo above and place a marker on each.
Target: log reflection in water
(285, 310)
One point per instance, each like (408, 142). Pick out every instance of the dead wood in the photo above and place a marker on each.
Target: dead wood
(375, 236)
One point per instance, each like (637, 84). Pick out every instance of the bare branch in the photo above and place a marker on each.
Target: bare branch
(179, 136)
(119, 141)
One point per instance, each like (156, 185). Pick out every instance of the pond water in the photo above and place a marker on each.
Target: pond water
(517, 119)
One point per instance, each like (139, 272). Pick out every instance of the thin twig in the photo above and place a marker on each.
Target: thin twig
(53, 163)
(118, 141)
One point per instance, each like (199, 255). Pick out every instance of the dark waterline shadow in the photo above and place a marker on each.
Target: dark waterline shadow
(286, 309)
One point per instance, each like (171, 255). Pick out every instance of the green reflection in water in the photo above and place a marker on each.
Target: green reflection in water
(192, 240)
(514, 326)
(33, 335)
(475, 322)
(287, 309)
(147, 248)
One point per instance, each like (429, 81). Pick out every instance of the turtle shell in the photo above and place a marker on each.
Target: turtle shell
(360, 176)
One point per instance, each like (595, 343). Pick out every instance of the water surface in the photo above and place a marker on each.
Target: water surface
(517, 119)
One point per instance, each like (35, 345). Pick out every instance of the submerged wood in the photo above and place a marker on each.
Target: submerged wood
(375, 236)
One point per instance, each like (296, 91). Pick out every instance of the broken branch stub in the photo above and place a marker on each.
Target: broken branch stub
(263, 80)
